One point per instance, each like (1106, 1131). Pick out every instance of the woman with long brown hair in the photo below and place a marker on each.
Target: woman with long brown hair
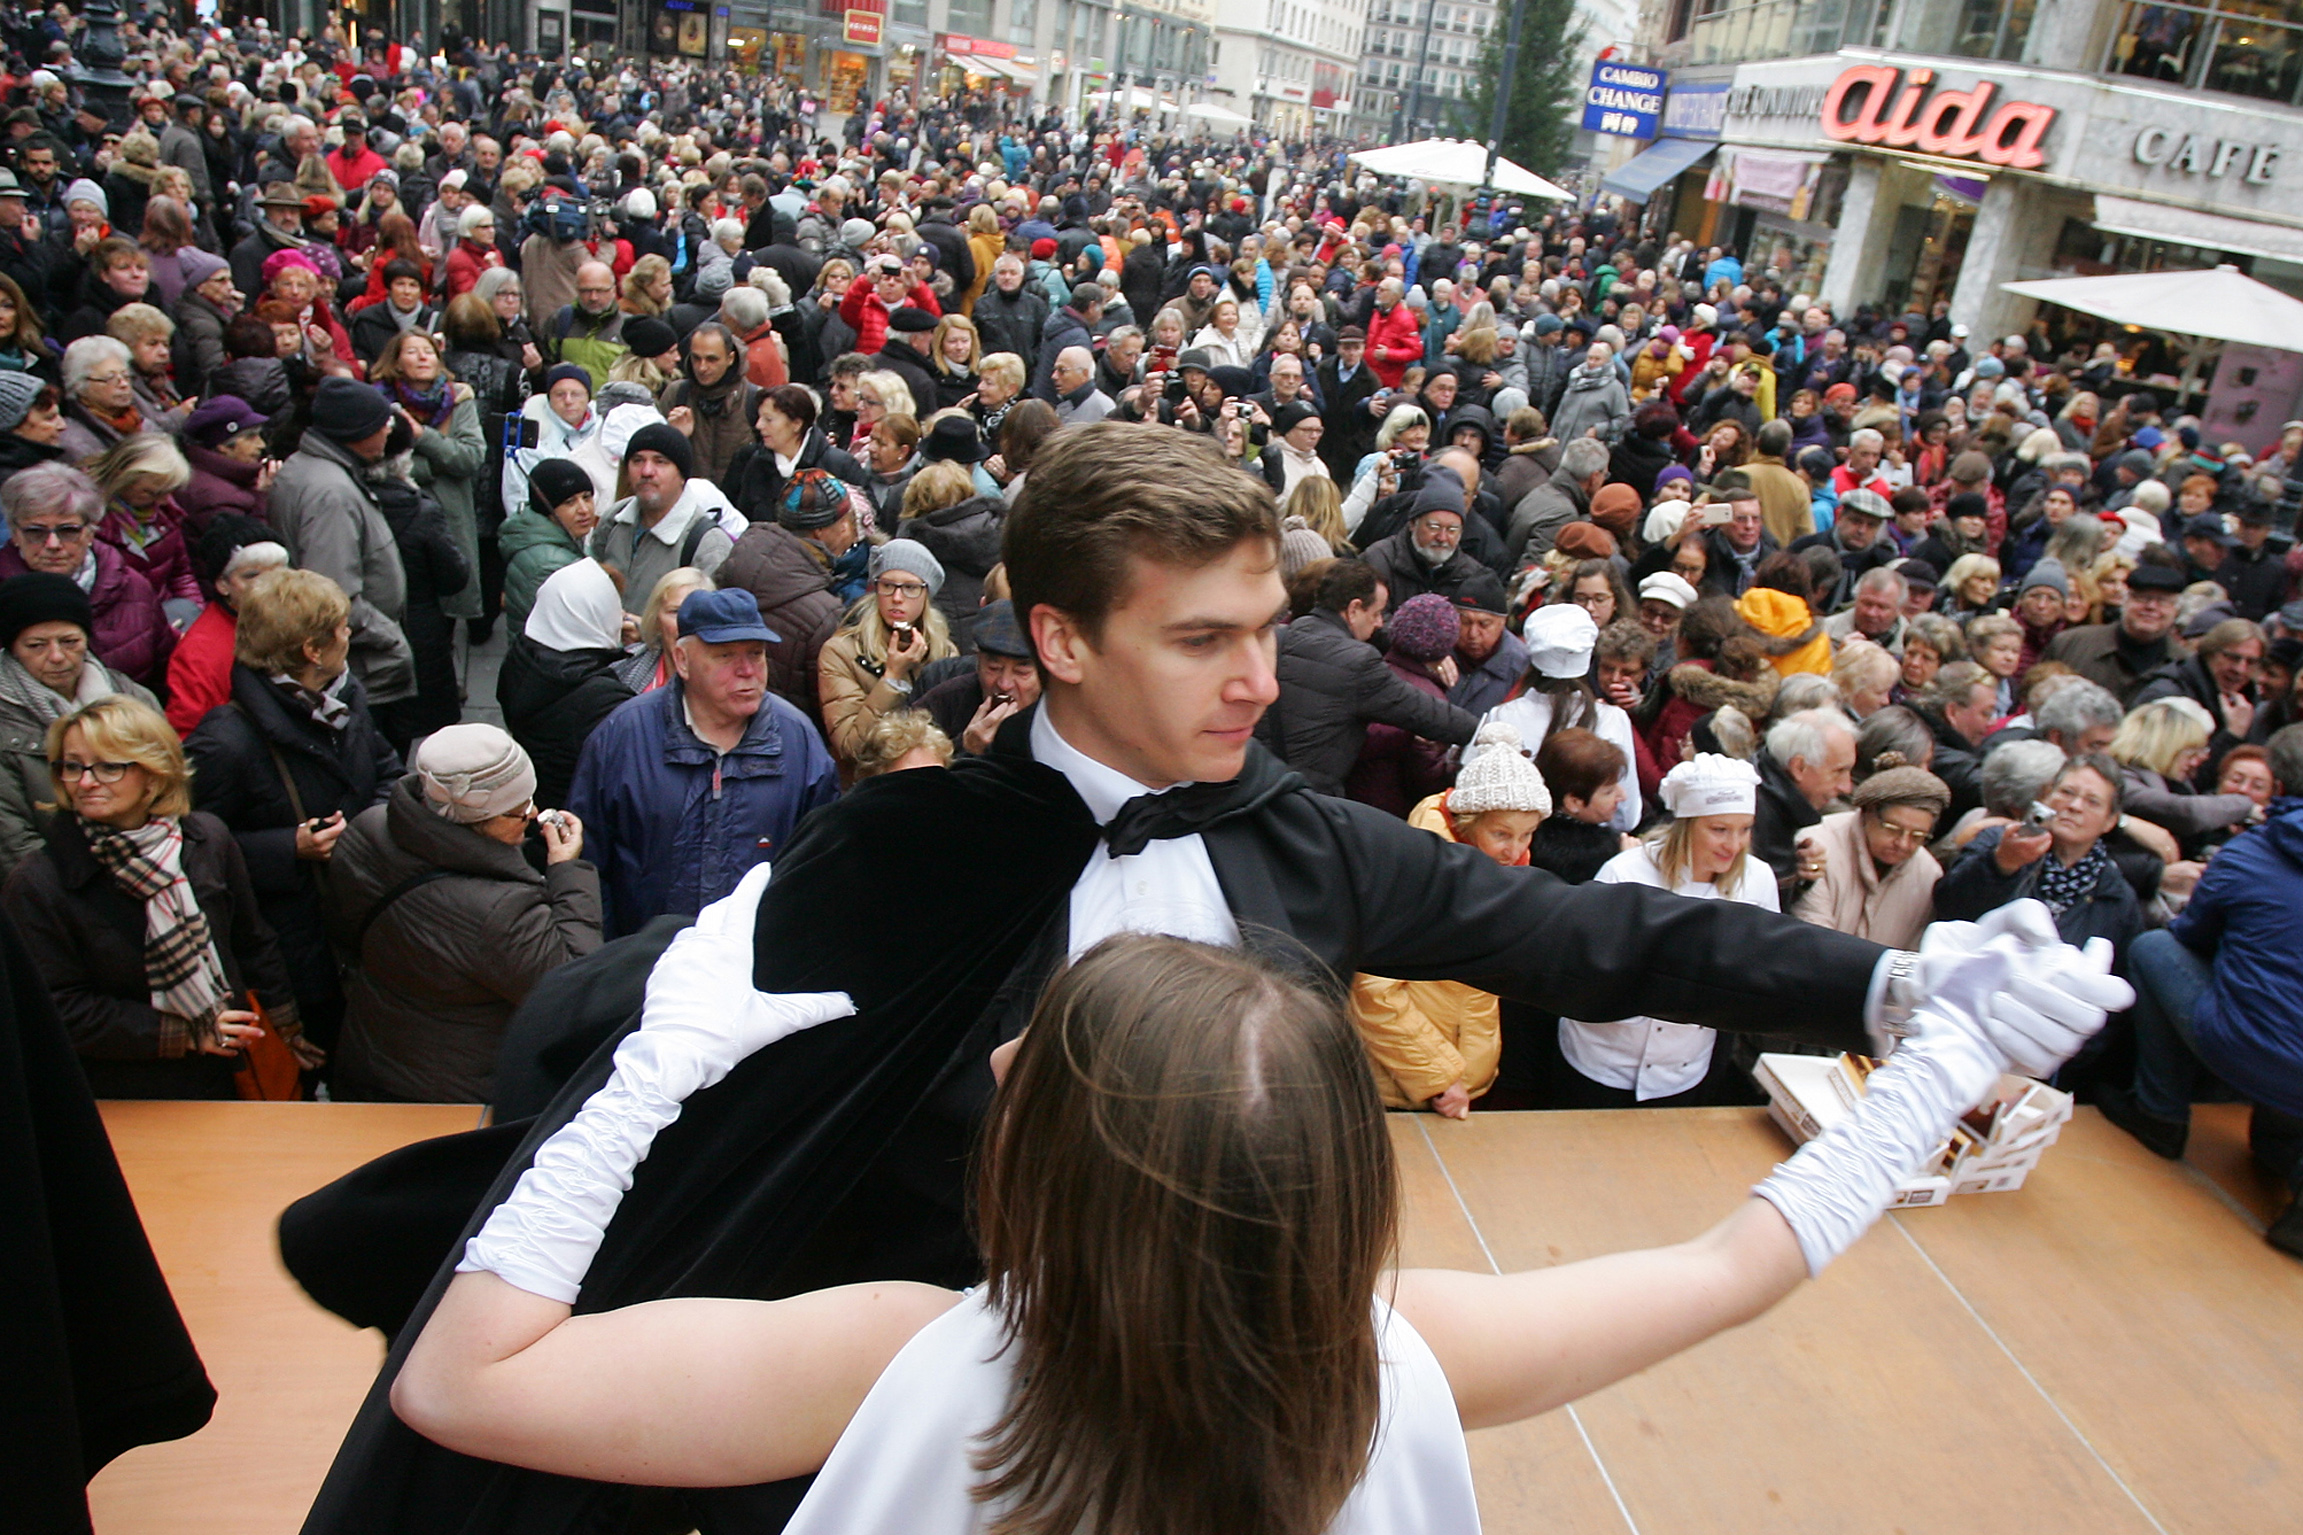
(1187, 1202)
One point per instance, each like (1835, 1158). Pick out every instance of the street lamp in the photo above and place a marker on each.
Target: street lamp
(96, 65)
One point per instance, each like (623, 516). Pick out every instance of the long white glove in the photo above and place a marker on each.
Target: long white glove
(2056, 996)
(702, 1016)
(1837, 1184)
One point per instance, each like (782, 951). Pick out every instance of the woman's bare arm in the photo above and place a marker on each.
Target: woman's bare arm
(1514, 1345)
(677, 1393)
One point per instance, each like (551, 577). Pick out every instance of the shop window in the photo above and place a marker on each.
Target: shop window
(2239, 47)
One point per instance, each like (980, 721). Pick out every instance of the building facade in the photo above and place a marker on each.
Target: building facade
(1289, 65)
(1902, 153)
(1422, 57)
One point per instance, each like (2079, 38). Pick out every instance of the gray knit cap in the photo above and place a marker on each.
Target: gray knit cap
(473, 771)
(908, 555)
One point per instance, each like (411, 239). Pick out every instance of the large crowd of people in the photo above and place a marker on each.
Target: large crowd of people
(1607, 556)
(330, 361)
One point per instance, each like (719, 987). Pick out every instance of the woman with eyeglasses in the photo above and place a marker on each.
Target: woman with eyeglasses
(866, 669)
(140, 916)
(1878, 879)
(52, 512)
(100, 404)
(46, 671)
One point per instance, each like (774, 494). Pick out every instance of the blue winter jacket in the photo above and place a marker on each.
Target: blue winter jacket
(2248, 1026)
(670, 823)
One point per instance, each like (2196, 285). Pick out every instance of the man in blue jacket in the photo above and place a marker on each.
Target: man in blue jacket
(2222, 988)
(684, 788)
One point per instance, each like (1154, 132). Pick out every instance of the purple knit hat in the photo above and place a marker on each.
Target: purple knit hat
(1425, 628)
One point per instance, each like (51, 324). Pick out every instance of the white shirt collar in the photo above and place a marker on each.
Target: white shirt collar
(1104, 789)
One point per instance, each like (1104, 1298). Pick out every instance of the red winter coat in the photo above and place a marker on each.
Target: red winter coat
(862, 309)
(200, 671)
(466, 262)
(132, 634)
(354, 165)
(165, 562)
(1394, 344)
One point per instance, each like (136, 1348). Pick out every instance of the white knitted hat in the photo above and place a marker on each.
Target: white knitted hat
(1500, 777)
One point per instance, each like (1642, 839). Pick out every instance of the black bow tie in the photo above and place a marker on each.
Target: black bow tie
(1181, 812)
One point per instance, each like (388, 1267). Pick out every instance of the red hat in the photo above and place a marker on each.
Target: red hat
(1043, 248)
(316, 205)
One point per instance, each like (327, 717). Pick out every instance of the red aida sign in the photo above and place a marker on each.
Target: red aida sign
(1863, 106)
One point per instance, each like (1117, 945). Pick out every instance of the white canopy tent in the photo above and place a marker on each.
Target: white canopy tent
(1223, 117)
(1136, 99)
(2221, 304)
(1456, 163)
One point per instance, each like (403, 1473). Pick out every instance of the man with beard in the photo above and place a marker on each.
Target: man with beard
(1428, 555)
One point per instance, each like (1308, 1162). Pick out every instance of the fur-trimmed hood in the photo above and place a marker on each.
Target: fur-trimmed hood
(1699, 685)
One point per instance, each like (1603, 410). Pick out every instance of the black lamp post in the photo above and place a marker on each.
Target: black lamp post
(96, 65)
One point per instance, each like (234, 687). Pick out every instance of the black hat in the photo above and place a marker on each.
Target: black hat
(1290, 416)
(662, 437)
(555, 480)
(2156, 576)
(223, 538)
(997, 632)
(953, 439)
(813, 499)
(1233, 381)
(1481, 592)
(345, 411)
(648, 336)
(38, 598)
(911, 320)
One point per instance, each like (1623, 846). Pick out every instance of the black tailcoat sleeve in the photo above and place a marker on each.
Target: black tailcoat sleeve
(1367, 892)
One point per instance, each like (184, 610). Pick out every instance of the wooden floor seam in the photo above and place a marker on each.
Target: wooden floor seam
(2024, 1370)
(1590, 1447)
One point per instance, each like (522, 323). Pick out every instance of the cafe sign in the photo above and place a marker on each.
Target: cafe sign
(1878, 104)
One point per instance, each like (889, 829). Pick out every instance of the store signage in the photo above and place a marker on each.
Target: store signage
(1694, 112)
(980, 47)
(1624, 99)
(863, 22)
(1864, 106)
(2196, 154)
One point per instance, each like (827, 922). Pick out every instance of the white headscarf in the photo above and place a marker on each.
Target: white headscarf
(577, 609)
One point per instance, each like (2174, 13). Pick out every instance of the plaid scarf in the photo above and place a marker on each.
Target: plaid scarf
(180, 961)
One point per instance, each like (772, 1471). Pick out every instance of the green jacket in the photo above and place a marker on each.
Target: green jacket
(449, 462)
(591, 342)
(533, 546)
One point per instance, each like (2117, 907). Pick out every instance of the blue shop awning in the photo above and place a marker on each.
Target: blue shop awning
(1638, 177)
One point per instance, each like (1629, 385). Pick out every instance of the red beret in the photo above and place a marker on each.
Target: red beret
(1042, 249)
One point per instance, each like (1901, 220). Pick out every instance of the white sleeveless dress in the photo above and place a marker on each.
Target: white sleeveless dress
(902, 1467)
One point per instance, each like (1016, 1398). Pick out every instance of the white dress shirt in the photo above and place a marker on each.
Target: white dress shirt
(1653, 1058)
(1170, 887)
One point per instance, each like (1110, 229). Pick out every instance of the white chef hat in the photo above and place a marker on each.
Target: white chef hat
(1664, 586)
(1500, 777)
(1710, 784)
(1559, 640)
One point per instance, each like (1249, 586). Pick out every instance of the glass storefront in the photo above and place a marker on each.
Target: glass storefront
(846, 78)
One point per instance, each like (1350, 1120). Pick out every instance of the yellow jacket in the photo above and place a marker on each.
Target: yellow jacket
(1780, 615)
(1424, 1036)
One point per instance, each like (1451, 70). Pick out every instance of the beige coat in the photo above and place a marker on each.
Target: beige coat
(1850, 897)
(1424, 1036)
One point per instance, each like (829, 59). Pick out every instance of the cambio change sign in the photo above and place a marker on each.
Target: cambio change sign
(1624, 99)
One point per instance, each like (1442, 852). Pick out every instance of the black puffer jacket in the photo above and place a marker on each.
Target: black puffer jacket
(435, 568)
(552, 701)
(1331, 687)
(965, 539)
(444, 963)
(238, 754)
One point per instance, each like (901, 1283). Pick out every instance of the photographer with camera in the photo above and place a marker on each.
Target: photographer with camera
(2056, 855)
(446, 925)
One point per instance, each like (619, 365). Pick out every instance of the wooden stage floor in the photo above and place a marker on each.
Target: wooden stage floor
(2112, 1349)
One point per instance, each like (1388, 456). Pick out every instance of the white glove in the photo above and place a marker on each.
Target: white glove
(1837, 1184)
(2056, 996)
(702, 1017)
